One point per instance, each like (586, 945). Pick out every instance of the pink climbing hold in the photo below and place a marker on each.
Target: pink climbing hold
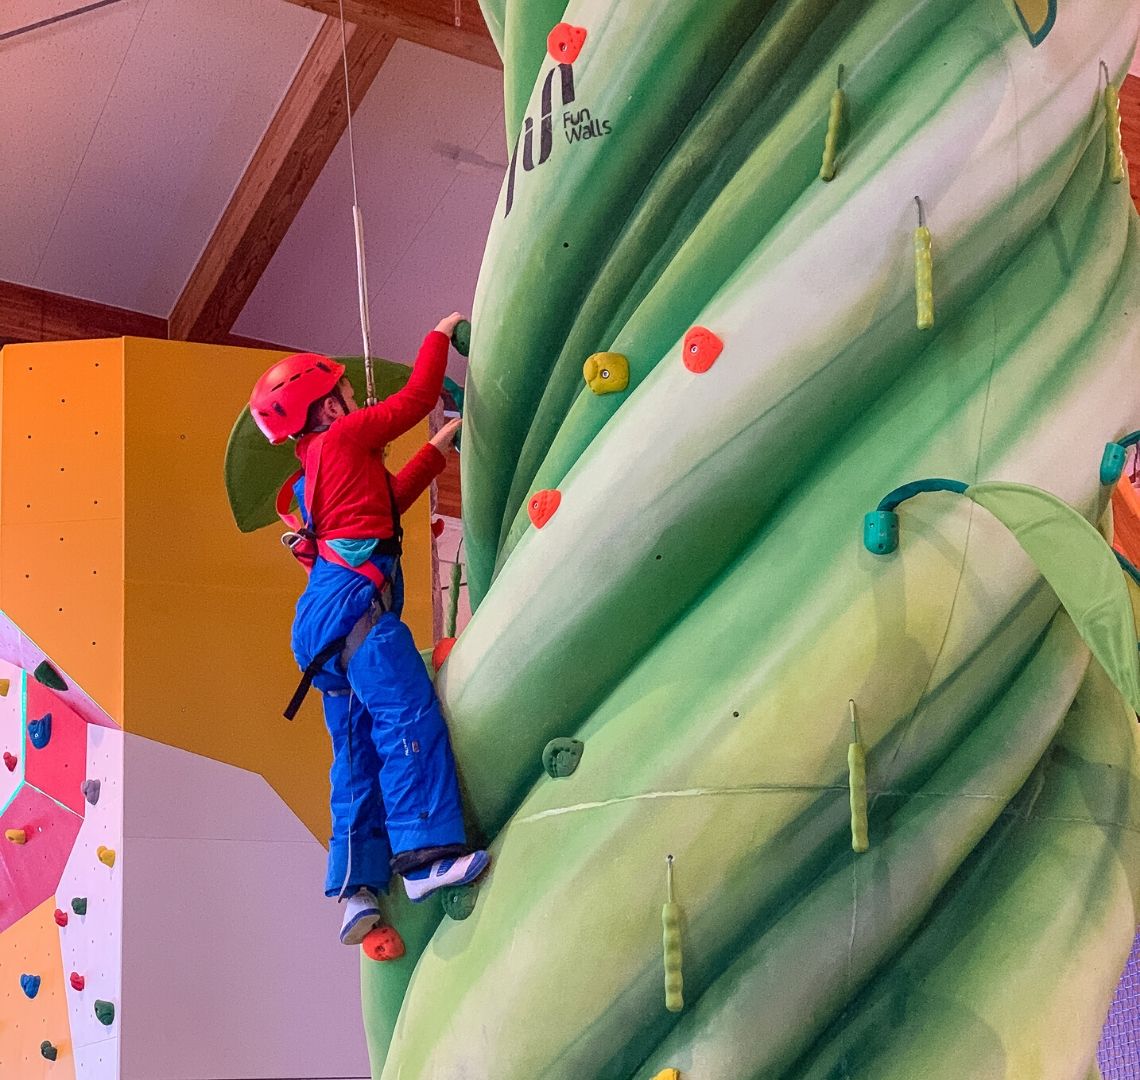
(10, 760)
(565, 42)
(701, 349)
(542, 506)
(78, 982)
(60, 917)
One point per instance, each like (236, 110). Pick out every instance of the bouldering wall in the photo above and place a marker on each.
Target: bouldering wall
(666, 560)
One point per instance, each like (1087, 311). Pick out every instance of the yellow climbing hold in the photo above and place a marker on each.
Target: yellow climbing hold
(1117, 169)
(857, 782)
(668, 1074)
(16, 836)
(606, 372)
(5, 686)
(106, 855)
(923, 273)
(671, 940)
(834, 126)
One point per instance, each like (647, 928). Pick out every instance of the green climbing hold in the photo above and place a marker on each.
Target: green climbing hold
(105, 1013)
(561, 756)
(79, 905)
(47, 675)
(48, 1051)
(458, 901)
(461, 337)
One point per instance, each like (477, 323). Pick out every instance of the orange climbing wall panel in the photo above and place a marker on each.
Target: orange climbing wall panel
(176, 623)
(32, 947)
(1126, 520)
(61, 506)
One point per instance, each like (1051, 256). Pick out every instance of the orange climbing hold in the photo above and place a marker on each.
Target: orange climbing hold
(5, 686)
(701, 349)
(542, 506)
(106, 855)
(441, 650)
(383, 943)
(16, 836)
(565, 42)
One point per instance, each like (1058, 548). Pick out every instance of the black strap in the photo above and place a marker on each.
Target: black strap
(310, 673)
(396, 541)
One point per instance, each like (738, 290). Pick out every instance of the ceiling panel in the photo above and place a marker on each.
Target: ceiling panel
(140, 145)
(54, 84)
(430, 160)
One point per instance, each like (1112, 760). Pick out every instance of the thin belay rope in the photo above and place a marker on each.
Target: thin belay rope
(358, 226)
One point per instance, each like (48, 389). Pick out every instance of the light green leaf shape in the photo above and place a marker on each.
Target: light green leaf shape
(1081, 569)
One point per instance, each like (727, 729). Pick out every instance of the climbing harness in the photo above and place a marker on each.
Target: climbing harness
(304, 542)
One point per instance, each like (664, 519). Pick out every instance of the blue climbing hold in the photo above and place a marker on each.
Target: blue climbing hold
(30, 984)
(39, 731)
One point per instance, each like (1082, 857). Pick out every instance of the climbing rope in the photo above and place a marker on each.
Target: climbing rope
(358, 227)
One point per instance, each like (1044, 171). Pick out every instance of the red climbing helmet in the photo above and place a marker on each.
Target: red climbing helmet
(281, 398)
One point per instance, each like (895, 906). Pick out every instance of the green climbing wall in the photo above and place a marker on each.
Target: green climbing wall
(695, 604)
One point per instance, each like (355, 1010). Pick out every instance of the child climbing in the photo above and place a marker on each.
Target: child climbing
(395, 796)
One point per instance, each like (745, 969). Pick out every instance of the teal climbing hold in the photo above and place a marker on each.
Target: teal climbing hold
(458, 901)
(79, 905)
(47, 675)
(105, 1013)
(30, 984)
(461, 337)
(39, 731)
(561, 756)
(48, 1051)
(881, 531)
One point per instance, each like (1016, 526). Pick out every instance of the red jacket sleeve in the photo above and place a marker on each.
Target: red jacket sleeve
(413, 479)
(376, 425)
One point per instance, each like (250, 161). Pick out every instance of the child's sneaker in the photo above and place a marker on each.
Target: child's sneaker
(361, 914)
(421, 883)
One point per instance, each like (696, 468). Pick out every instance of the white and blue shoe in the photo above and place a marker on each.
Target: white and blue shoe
(421, 883)
(361, 914)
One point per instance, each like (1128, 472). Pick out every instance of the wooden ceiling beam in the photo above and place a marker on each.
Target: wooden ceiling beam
(28, 314)
(292, 152)
(426, 22)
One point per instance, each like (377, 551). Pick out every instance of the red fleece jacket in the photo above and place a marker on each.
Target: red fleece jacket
(347, 483)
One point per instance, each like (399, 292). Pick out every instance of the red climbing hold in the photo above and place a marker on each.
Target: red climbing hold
(565, 41)
(10, 761)
(701, 349)
(441, 650)
(542, 506)
(60, 917)
(383, 943)
(437, 527)
(78, 982)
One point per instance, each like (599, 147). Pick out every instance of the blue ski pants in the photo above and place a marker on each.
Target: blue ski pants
(394, 787)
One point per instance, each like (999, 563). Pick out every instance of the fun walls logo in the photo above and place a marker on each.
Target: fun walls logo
(581, 125)
(564, 43)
